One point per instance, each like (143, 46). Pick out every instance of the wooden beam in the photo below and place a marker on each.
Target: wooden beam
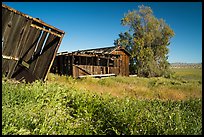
(9, 57)
(92, 66)
(79, 60)
(55, 52)
(34, 19)
(101, 75)
(84, 70)
(40, 28)
(73, 69)
(108, 64)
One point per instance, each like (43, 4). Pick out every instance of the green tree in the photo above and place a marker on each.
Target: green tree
(147, 40)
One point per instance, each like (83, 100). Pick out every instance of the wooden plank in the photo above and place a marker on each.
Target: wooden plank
(31, 18)
(10, 57)
(6, 28)
(11, 46)
(40, 44)
(42, 59)
(107, 71)
(23, 38)
(83, 69)
(60, 65)
(75, 71)
(23, 49)
(29, 43)
(66, 65)
(32, 43)
(47, 56)
(70, 65)
(23, 73)
(54, 50)
(15, 24)
(9, 67)
(24, 31)
(6, 18)
(38, 50)
(53, 68)
(5, 67)
(93, 65)
(101, 75)
(51, 53)
(46, 30)
(63, 65)
(20, 39)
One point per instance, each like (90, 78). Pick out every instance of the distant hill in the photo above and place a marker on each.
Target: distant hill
(186, 65)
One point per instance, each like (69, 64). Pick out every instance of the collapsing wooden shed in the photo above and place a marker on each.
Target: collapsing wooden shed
(94, 62)
(29, 45)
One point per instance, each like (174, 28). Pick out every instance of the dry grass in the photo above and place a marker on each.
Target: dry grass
(140, 88)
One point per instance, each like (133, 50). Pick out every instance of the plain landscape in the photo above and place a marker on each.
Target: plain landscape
(75, 84)
(107, 106)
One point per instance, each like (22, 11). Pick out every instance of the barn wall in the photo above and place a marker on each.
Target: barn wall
(62, 65)
(28, 45)
(80, 65)
(123, 62)
(81, 70)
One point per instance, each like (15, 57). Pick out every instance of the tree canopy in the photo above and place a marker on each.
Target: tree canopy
(147, 40)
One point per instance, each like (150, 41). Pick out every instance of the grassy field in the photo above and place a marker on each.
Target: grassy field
(185, 84)
(190, 74)
(115, 105)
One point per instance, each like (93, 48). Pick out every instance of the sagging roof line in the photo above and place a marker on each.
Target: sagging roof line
(105, 50)
(110, 47)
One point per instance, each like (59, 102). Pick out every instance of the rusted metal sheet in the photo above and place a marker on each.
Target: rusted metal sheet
(29, 45)
(102, 61)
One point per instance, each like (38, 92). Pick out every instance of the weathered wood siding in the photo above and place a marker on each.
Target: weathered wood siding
(123, 62)
(29, 45)
(62, 65)
(85, 64)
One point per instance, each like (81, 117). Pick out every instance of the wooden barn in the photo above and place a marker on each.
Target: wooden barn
(29, 45)
(95, 62)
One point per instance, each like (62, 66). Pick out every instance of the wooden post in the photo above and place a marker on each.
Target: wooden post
(73, 68)
(92, 65)
(108, 64)
(86, 63)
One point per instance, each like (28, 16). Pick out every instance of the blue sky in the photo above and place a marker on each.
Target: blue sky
(97, 24)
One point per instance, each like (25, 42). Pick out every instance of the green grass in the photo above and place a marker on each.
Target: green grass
(176, 88)
(190, 74)
(67, 106)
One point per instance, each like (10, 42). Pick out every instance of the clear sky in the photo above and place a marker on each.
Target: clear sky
(97, 24)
